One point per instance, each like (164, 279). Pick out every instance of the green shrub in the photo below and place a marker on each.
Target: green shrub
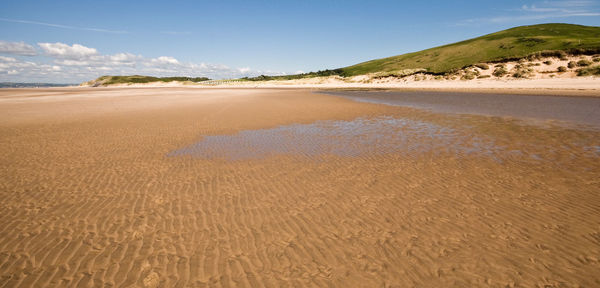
(548, 62)
(500, 71)
(468, 76)
(596, 59)
(453, 71)
(572, 64)
(320, 73)
(589, 71)
(522, 73)
(483, 76)
(562, 69)
(584, 63)
(563, 56)
(482, 66)
(560, 54)
(530, 41)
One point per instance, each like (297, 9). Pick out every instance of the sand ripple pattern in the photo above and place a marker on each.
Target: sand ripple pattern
(91, 199)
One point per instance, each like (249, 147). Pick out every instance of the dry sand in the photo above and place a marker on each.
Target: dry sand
(93, 193)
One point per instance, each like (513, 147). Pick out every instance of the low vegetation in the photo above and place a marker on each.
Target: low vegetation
(584, 63)
(589, 71)
(136, 79)
(500, 71)
(323, 73)
(482, 66)
(522, 72)
(398, 74)
(470, 74)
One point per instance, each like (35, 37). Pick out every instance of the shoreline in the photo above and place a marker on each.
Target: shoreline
(578, 87)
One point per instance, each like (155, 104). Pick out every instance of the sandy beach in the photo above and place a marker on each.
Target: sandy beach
(188, 187)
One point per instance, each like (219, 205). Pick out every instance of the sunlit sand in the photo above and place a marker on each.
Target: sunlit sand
(186, 187)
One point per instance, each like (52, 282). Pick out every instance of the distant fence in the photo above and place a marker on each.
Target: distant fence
(221, 82)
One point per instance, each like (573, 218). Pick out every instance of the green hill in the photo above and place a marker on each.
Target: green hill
(514, 43)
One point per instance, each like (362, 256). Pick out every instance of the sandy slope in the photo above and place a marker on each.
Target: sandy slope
(542, 76)
(590, 83)
(90, 197)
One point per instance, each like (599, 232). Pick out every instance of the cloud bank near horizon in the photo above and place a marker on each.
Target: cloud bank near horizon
(63, 63)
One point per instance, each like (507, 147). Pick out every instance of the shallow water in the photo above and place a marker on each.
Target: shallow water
(342, 138)
(578, 110)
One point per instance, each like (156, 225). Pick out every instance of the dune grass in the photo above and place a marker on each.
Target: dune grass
(589, 71)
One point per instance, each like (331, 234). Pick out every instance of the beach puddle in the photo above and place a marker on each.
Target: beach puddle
(341, 138)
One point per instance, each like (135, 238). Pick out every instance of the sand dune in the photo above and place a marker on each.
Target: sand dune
(93, 194)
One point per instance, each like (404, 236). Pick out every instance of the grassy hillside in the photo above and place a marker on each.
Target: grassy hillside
(109, 80)
(513, 43)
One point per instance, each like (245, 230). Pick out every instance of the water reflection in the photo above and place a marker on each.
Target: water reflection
(342, 138)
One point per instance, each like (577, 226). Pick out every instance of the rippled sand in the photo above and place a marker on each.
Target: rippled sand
(175, 187)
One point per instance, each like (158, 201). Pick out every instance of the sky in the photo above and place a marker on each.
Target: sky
(58, 41)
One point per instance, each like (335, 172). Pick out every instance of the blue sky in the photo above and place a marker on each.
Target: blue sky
(72, 41)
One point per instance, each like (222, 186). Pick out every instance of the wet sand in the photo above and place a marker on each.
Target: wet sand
(176, 187)
(580, 110)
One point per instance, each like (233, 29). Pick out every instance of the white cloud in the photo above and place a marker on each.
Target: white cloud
(123, 57)
(77, 63)
(76, 51)
(17, 48)
(165, 60)
(68, 62)
(7, 59)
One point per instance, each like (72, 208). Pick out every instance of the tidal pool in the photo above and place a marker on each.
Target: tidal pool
(341, 138)
(570, 109)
